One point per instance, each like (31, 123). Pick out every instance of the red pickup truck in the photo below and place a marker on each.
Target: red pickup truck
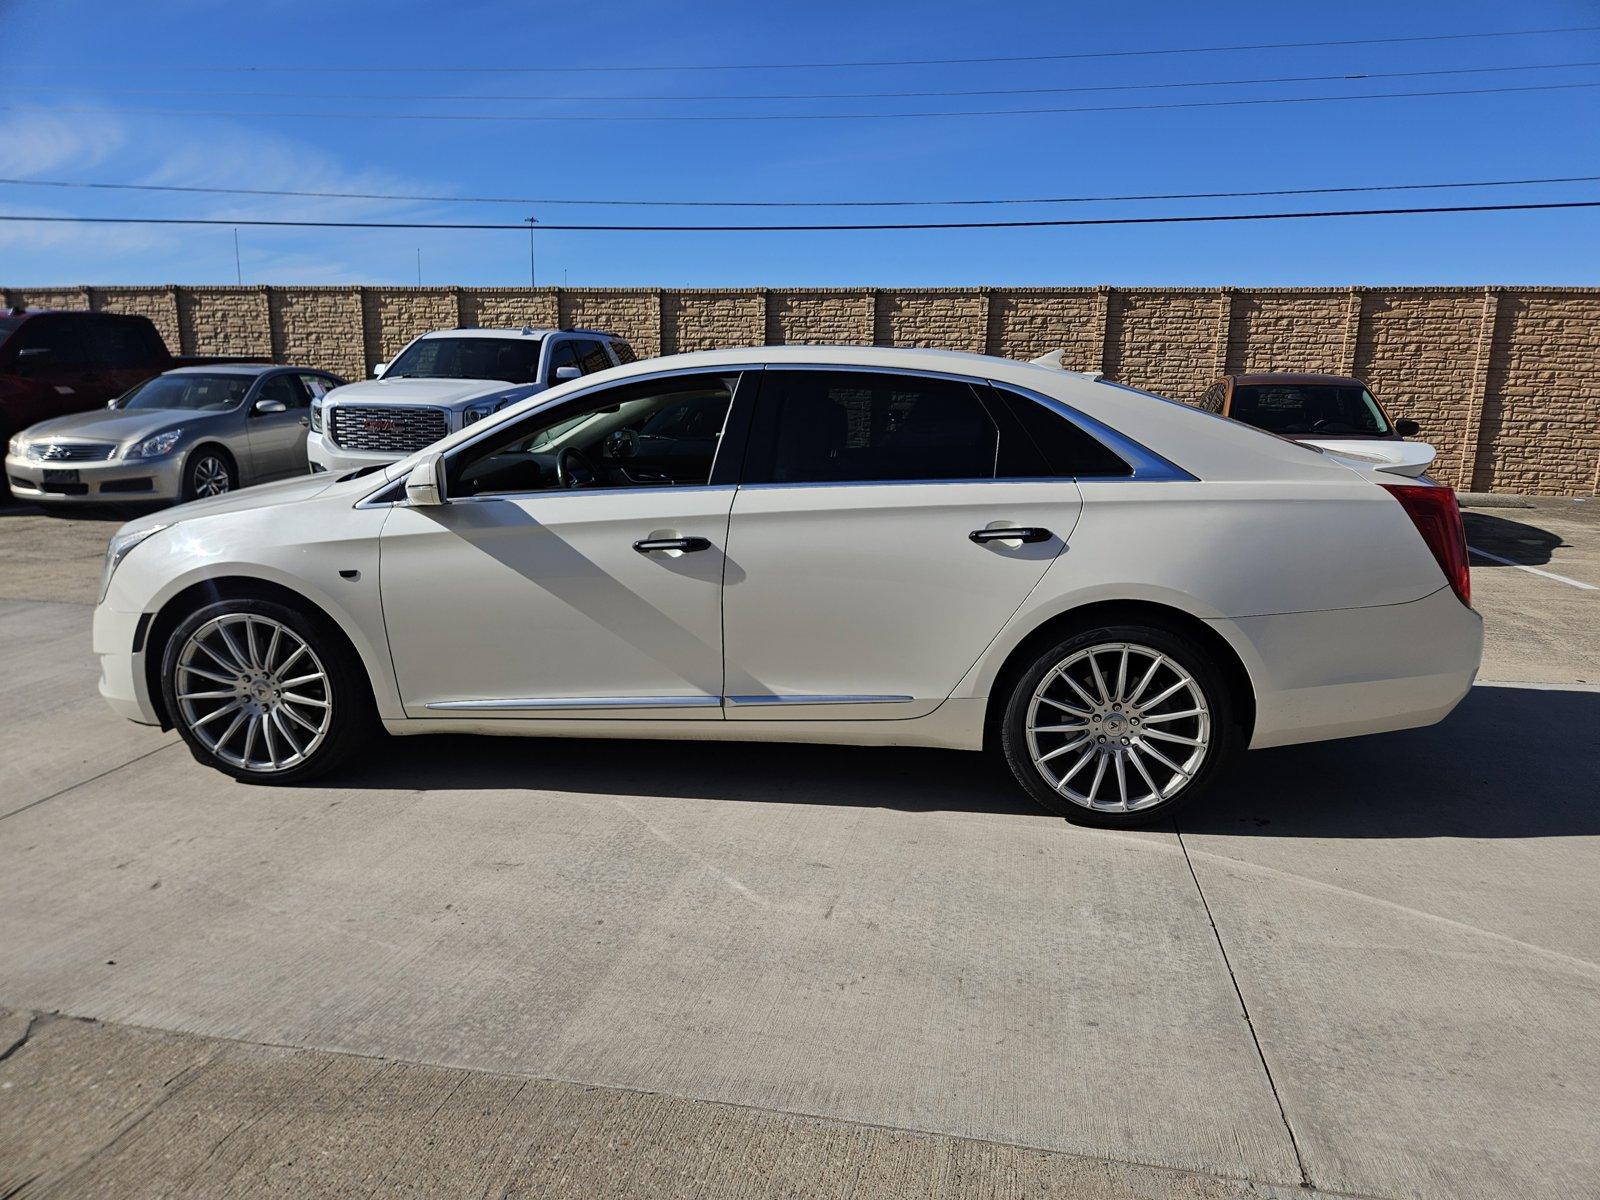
(53, 363)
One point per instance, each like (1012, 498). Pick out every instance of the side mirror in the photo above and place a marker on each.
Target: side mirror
(425, 484)
(271, 406)
(377, 371)
(1407, 427)
(565, 374)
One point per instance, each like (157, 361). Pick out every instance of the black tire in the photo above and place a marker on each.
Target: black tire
(199, 473)
(1125, 726)
(351, 718)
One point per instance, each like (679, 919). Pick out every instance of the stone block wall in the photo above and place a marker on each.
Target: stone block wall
(1504, 381)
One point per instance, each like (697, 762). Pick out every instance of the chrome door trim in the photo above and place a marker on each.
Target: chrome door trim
(543, 703)
(788, 701)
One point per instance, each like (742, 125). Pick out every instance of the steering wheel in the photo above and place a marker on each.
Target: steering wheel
(574, 470)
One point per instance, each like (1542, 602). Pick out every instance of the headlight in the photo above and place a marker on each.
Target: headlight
(14, 446)
(316, 416)
(479, 411)
(155, 447)
(118, 550)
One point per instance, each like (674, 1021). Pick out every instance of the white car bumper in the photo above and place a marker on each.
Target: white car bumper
(122, 673)
(325, 456)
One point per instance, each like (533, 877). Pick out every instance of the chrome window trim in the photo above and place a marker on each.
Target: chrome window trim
(789, 701)
(1148, 466)
(546, 703)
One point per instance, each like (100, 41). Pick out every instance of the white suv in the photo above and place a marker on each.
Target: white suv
(445, 381)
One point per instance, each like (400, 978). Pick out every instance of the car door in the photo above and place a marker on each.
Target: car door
(558, 583)
(48, 354)
(869, 561)
(278, 439)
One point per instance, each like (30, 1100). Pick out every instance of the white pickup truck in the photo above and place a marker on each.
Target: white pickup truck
(443, 381)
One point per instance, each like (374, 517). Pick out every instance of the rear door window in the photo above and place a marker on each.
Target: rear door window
(869, 427)
(117, 343)
(57, 335)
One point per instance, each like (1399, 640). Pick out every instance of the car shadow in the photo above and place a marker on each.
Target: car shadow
(1508, 763)
(1527, 544)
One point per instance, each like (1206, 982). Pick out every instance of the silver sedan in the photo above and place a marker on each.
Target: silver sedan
(196, 431)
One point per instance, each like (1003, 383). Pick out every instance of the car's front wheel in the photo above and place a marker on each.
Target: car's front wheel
(209, 472)
(264, 692)
(1119, 726)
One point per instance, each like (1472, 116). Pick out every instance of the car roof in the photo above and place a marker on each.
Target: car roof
(527, 331)
(238, 369)
(1206, 445)
(1295, 377)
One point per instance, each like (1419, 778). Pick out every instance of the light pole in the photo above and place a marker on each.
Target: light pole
(533, 273)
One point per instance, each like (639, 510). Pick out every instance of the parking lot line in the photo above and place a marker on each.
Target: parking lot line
(1588, 587)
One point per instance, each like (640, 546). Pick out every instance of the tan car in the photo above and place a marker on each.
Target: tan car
(1305, 407)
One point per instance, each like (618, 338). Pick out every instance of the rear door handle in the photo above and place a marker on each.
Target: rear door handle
(686, 544)
(1017, 533)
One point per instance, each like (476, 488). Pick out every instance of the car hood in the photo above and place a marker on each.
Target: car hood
(443, 393)
(112, 425)
(264, 495)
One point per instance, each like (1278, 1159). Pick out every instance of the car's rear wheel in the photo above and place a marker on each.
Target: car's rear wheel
(1119, 726)
(264, 692)
(209, 472)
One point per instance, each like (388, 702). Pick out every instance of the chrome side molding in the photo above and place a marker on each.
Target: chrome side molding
(541, 703)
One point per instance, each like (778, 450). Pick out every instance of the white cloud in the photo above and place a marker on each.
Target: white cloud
(42, 142)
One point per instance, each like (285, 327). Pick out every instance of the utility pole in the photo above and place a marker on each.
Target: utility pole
(238, 271)
(419, 266)
(533, 273)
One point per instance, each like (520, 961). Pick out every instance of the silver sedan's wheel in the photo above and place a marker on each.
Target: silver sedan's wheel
(209, 475)
(253, 692)
(1118, 727)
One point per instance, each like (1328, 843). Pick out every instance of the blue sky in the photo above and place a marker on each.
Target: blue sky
(107, 52)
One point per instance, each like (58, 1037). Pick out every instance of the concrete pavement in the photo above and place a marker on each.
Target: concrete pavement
(504, 967)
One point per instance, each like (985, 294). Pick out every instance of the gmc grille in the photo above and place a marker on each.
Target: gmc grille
(71, 451)
(388, 430)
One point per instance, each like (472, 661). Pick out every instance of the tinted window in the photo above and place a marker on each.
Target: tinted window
(848, 427)
(113, 343)
(194, 393)
(623, 351)
(286, 390)
(515, 360)
(319, 385)
(1307, 408)
(564, 354)
(660, 433)
(592, 357)
(57, 335)
(1064, 448)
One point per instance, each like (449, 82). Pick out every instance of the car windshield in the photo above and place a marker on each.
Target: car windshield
(1327, 408)
(514, 360)
(191, 393)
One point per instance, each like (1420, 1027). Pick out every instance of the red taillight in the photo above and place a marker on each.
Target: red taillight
(1437, 516)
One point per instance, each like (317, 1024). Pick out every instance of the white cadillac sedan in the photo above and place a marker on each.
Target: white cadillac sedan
(811, 544)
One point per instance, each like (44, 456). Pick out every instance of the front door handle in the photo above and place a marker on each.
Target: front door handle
(686, 544)
(1017, 533)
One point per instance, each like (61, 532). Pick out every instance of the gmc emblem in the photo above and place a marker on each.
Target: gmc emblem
(380, 425)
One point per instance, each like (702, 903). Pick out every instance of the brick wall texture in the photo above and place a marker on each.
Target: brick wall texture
(1504, 381)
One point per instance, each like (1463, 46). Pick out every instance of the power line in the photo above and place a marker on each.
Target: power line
(1188, 218)
(855, 63)
(660, 118)
(892, 95)
(542, 200)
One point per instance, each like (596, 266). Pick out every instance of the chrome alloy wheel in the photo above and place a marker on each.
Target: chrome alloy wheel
(1118, 727)
(210, 476)
(253, 692)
